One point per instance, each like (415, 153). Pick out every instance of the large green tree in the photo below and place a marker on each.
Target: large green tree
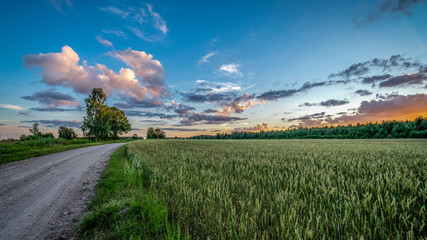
(155, 134)
(118, 122)
(102, 122)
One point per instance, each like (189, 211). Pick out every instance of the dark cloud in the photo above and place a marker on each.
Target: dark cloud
(218, 97)
(306, 117)
(183, 109)
(56, 123)
(210, 111)
(152, 121)
(137, 113)
(131, 103)
(124, 105)
(200, 118)
(211, 92)
(306, 104)
(2, 124)
(56, 109)
(52, 98)
(374, 79)
(404, 79)
(276, 94)
(25, 113)
(395, 7)
(362, 68)
(357, 69)
(327, 103)
(333, 102)
(183, 129)
(362, 92)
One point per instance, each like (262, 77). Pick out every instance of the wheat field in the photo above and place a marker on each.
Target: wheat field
(288, 189)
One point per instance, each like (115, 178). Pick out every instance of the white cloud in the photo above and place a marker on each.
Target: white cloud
(216, 87)
(205, 59)
(159, 23)
(143, 22)
(12, 107)
(115, 32)
(116, 11)
(63, 69)
(104, 42)
(144, 36)
(230, 69)
(213, 41)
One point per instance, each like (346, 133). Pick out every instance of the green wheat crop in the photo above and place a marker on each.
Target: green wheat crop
(289, 189)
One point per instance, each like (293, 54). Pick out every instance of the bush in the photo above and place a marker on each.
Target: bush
(23, 137)
(66, 133)
(47, 135)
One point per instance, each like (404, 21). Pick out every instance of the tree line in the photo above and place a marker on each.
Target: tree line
(384, 129)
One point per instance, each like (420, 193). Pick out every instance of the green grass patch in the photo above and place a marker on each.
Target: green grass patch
(124, 206)
(19, 150)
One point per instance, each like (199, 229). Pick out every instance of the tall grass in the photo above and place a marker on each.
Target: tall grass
(296, 189)
(123, 208)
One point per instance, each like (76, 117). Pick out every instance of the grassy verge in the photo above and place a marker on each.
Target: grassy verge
(124, 207)
(35, 148)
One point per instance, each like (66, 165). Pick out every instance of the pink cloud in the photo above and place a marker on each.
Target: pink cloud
(63, 69)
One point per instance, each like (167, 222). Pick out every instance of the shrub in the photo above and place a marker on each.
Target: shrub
(66, 133)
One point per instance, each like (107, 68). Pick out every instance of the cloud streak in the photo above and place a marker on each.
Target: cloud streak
(183, 129)
(56, 123)
(363, 92)
(104, 42)
(404, 80)
(144, 22)
(12, 107)
(59, 4)
(200, 118)
(396, 7)
(206, 58)
(52, 98)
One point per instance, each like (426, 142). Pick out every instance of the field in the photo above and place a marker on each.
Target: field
(270, 189)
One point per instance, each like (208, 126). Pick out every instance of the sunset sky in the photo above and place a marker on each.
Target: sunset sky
(202, 67)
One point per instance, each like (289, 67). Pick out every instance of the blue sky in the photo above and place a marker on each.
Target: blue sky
(202, 67)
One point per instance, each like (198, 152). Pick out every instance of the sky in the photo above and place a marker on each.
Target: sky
(204, 67)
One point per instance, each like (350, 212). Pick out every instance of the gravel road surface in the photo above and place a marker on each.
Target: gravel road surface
(44, 197)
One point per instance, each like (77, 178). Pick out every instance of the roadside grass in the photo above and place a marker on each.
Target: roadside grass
(124, 207)
(19, 150)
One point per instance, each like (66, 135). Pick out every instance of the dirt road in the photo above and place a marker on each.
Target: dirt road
(44, 197)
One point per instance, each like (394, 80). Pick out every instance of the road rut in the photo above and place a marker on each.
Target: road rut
(44, 197)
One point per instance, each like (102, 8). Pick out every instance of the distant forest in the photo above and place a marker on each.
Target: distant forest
(384, 129)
